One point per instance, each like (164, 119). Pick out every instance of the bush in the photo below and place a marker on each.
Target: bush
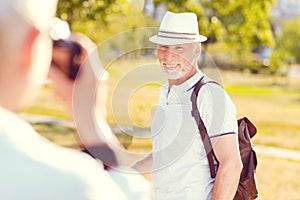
(231, 59)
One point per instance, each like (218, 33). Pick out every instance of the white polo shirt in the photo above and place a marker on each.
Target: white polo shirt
(180, 166)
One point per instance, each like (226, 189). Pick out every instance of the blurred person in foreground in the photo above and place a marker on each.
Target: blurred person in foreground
(179, 163)
(71, 85)
(32, 168)
(70, 52)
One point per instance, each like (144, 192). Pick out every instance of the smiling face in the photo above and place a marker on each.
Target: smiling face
(179, 62)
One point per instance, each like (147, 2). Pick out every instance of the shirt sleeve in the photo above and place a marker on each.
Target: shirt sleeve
(217, 110)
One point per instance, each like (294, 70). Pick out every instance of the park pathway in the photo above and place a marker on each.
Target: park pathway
(260, 149)
(277, 152)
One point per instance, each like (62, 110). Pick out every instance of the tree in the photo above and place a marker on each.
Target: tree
(90, 16)
(242, 25)
(187, 6)
(101, 19)
(87, 10)
(287, 45)
(245, 21)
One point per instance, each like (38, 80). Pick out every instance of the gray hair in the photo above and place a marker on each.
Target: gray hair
(16, 16)
(37, 13)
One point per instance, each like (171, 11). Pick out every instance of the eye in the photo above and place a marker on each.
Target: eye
(163, 47)
(179, 47)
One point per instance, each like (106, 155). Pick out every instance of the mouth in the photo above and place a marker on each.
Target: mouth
(171, 66)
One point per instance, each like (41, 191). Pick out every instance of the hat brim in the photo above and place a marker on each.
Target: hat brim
(172, 41)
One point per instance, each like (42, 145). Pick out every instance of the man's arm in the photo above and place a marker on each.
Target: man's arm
(230, 166)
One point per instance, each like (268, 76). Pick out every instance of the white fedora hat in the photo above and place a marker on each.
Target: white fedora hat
(178, 28)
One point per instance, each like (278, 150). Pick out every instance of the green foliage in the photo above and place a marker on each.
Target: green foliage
(187, 6)
(287, 44)
(225, 57)
(87, 10)
(243, 26)
(102, 19)
(245, 22)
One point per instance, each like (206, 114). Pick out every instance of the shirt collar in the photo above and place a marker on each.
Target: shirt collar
(190, 83)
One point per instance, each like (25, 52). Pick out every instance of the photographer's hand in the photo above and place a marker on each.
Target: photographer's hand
(85, 99)
(62, 87)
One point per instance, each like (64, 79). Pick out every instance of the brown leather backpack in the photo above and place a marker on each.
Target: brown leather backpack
(247, 187)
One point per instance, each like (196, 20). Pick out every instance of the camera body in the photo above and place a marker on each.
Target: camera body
(66, 56)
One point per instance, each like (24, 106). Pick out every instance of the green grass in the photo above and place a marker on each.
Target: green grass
(258, 91)
(46, 103)
(63, 136)
(273, 109)
(273, 104)
(277, 179)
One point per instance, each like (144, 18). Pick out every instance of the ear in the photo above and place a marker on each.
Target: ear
(198, 49)
(27, 47)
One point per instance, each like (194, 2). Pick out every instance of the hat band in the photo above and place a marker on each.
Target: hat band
(176, 35)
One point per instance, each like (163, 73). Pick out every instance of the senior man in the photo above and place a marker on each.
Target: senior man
(179, 163)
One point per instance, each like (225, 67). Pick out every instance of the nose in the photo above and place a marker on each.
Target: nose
(169, 56)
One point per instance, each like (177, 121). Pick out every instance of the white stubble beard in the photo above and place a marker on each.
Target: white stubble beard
(172, 73)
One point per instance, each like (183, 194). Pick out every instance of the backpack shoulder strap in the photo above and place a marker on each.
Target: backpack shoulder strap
(201, 127)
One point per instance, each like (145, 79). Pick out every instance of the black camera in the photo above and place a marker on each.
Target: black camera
(67, 57)
(66, 54)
